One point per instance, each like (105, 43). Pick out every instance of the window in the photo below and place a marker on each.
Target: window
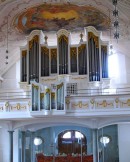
(71, 89)
(67, 135)
(72, 141)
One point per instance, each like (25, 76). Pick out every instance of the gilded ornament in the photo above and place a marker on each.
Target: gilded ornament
(41, 95)
(79, 78)
(18, 106)
(63, 37)
(80, 104)
(96, 39)
(67, 101)
(1, 108)
(73, 52)
(46, 37)
(92, 101)
(60, 86)
(35, 39)
(53, 95)
(6, 104)
(48, 90)
(45, 50)
(104, 48)
(128, 102)
(54, 53)
(34, 86)
(116, 100)
(29, 103)
(24, 53)
(47, 80)
(104, 103)
(82, 47)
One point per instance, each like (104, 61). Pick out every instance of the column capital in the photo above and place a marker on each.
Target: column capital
(10, 131)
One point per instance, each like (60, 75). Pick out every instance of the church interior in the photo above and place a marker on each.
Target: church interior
(64, 81)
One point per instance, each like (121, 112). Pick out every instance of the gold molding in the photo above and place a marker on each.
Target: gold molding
(126, 103)
(80, 105)
(18, 107)
(104, 104)
(46, 80)
(79, 78)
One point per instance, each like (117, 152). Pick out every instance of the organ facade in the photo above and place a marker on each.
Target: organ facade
(55, 72)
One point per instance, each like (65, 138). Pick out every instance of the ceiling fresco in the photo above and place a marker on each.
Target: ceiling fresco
(49, 17)
(69, 14)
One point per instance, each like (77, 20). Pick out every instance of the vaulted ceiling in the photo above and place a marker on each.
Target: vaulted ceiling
(18, 18)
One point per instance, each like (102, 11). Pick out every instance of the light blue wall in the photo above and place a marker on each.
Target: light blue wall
(50, 135)
(110, 152)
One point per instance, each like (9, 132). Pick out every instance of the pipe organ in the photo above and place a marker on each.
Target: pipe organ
(58, 71)
(89, 57)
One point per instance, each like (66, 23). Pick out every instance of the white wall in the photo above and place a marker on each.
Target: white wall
(128, 69)
(117, 69)
(12, 77)
(124, 142)
(1, 148)
(5, 143)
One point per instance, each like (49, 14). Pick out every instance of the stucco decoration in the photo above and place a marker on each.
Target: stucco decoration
(54, 17)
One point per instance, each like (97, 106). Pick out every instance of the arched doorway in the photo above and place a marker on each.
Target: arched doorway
(72, 142)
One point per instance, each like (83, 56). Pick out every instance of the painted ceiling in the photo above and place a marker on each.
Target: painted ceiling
(49, 17)
(22, 16)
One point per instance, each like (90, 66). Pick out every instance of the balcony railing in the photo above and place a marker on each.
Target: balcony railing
(82, 100)
(99, 101)
(15, 95)
(98, 91)
(13, 101)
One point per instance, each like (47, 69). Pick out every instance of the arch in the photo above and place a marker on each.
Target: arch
(72, 142)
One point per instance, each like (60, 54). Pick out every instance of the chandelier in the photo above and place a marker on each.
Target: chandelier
(6, 57)
(116, 22)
